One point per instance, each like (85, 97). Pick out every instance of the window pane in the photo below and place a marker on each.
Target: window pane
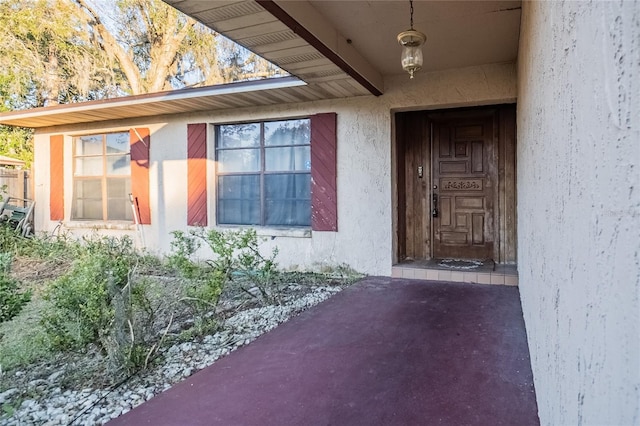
(88, 199)
(89, 188)
(239, 160)
(288, 199)
(88, 210)
(239, 187)
(288, 213)
(239, 135)
(239, 200)
(119, 165)
(89, 166)
(88, 145)
(117, 143)
(290, 132)
(239, 212)
(287, 159)
(119, 205)
(118, 209)
(287, 187)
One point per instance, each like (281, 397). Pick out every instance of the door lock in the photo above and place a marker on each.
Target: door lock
(434, 212)
(420, 172)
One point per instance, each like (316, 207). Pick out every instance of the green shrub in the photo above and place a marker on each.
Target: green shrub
(127, 341)
(22, 339)
(43, 246)
(235, 254)
(12, 300)
(257, 270)
(103, 301)
(10, 241)
(6, 259)
(81, 307)
(50, 247)
(81, 300)
(205, 284)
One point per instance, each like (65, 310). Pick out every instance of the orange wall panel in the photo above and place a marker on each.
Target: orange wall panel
(56, 177)
(140, 140)
(197, 174)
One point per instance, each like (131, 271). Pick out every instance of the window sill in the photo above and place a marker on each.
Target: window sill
(272, 232)
(98, 224)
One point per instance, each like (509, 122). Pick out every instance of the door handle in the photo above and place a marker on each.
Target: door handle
(434, 212)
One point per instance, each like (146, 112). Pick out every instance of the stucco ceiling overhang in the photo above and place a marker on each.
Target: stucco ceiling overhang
(294, 36)
(351, 45)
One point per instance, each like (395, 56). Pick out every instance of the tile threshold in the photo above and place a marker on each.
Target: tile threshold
(501, 275)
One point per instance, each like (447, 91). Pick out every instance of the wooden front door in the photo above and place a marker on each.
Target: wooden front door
(468, 154)
(462, 186)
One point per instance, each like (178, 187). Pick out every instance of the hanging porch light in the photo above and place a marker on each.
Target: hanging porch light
(411, 42)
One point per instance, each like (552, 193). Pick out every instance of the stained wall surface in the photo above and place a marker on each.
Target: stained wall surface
(365, 236)
(579, 208)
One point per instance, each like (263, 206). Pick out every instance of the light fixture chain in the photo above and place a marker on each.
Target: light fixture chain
(411, 9)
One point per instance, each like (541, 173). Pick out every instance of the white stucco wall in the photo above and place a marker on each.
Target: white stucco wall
(579, 208)
(364, 170)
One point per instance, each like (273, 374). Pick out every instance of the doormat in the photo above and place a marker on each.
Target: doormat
(460, 264)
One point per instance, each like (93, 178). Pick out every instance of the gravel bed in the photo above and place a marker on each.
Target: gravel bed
(50, 404)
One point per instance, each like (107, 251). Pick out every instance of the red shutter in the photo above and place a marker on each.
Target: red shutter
(197, 174)
(140, 141)
(324, 199)
(56, 177)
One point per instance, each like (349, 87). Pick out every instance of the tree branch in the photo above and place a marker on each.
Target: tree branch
(108, 42)
(165, 54)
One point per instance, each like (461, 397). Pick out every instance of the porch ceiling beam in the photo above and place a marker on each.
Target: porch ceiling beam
(302, 18)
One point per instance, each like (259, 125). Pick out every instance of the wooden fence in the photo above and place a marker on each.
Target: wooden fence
(15, 183)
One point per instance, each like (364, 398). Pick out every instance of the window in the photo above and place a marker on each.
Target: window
(102, 177)
(264, 173)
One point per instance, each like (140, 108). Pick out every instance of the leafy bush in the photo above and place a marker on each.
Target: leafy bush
(23, 340)
(9, 240)
(50, 247)
(100, 301)
(205, 282)
(5, 262)
(11, 299)
(47, 247)
(257, 270)
(235, 254)
(81, 306)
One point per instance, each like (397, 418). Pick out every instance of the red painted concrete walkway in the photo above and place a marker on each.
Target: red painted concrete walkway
(383, 352)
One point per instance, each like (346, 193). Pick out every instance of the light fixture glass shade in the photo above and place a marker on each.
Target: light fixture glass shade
(411, 59)
(411, 42)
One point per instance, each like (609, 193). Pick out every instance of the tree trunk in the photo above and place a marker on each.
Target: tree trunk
(52, 80)
(164, 53)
